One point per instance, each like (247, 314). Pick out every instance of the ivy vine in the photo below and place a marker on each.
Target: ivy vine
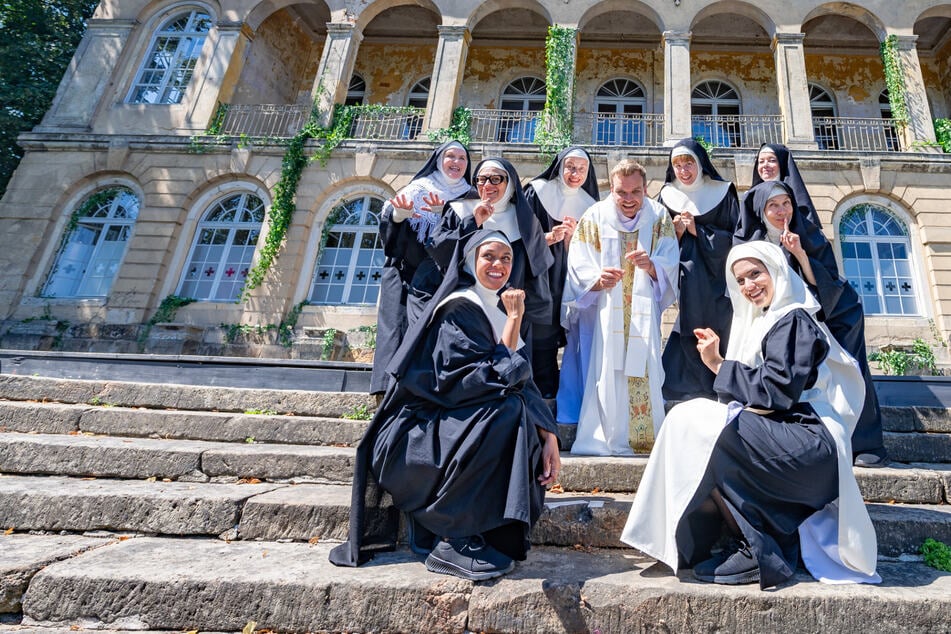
(92, 204)
(554, 133)
(460, 128)
(285, 330)
(942, 132)
(164, 313)
(895, 81)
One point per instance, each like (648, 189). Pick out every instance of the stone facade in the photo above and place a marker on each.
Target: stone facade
(283, 55)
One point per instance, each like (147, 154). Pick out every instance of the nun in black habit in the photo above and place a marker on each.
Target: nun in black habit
(405, 226)
(498, 203)
(774, 162)
(463, 441)
(771, 212)
(558, 196)
(704, 208)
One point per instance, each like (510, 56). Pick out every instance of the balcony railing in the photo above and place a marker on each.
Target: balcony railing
(393, 124)
(598, 128)
(264, 120)
(739, 130)
(504, 126)
(855, 134)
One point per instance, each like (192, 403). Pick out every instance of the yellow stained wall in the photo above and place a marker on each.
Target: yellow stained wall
(597, 65)
(390, 70)
(752, 74)
(489, 69)
(855, 81)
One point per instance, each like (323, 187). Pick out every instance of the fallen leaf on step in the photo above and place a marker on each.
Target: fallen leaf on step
(249, 628)
(9, 531)
(249, 481)
(557, 489)
(313, 541)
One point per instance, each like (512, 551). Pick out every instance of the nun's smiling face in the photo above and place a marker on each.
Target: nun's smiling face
(493, 264)
(454, 163)
(778, 210)
(574, 171)
(488, 191)
(754, 281)
(767, 165)
(685, 169)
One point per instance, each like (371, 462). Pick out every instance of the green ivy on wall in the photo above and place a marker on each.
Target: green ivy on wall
(460, 128)
(554, 131)
(942, 133)
(895, 81)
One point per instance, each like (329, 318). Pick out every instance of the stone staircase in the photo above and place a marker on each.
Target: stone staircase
(131, 506)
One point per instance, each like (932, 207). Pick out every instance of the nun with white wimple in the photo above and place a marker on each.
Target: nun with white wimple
(558, 196)
(463, 442)
(406, 223)
(498, 203)
(704, 208)
(770, 463)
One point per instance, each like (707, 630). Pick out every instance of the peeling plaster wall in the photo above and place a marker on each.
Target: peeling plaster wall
(390, 70)
(598, 65)
(282, 63)
(854, 81)
(752, 74)
(490, 69)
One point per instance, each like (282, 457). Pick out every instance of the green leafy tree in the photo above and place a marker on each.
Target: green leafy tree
(37, 41)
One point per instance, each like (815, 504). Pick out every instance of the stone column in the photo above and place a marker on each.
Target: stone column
(676, 86)
(88, 75)
(793, 89)
(448, 70)
(335, 69)
(228, 42)
(920, 124)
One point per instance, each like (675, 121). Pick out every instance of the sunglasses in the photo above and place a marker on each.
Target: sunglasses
(495, 179)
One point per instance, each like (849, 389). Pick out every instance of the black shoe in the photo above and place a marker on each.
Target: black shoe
(470, 558)
(871, 459)
(739, 567)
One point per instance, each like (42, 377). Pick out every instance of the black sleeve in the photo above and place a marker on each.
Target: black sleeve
(792, 351)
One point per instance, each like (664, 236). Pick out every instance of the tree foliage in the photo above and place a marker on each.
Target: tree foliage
(37, 41)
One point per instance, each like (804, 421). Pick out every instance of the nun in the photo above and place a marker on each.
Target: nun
(774, 162)
(407, 221)
(704, 208)
(558, 196)
(463, 442)
(499, 204)
(769, 463)
(771, 212)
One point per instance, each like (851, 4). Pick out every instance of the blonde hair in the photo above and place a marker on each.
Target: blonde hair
(627, 167)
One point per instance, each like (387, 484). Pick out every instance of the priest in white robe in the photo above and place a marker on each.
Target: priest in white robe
(622, 274)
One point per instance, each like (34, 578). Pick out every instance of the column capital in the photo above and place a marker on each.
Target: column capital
(788, 39)
(98, 24)
(454, 32)
(341, 28)
(906, 42)
(681, 38)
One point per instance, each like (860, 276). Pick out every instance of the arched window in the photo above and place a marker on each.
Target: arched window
(356, 91)
(525, 94)
(714, 106)
(822, 106)
(224, 245)
(885, 107)
(168, 67)
(94, 245)
(418, 98)
(351, 257)
(615, 102)
(877, 260)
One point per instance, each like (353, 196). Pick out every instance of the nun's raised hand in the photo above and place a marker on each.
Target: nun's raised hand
(708, 345)
(570, 225)
(433, 203)
(551, 459)
(688, 223)
(402, 207)
(513, 300)
(791, 241)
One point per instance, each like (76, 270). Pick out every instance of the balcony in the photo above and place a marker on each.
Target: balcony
(503, 126)
(739, 130)
(855, 134)
(610, 129)
(386, 123)
(263, 120)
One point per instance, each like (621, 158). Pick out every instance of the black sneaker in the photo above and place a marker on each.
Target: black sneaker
(470, 558)
(739, 566)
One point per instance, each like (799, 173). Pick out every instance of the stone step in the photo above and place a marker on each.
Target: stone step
(166, 508)
(82, 455)
(313, 511)
(182, 397)
(206, 584)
